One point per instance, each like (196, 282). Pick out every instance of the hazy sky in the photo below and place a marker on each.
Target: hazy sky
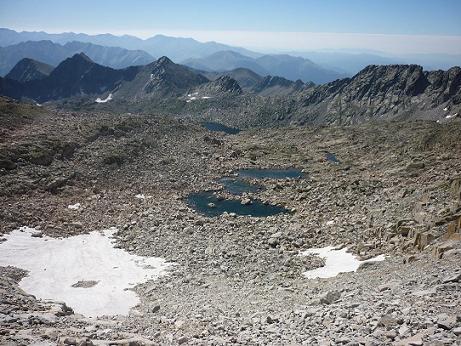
(393, 26)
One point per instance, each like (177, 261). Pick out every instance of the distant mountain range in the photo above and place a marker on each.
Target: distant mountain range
(53, 53)
(285, 66)
(177, 49)
(332, 64)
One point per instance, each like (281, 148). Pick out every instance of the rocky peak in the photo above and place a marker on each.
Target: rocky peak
(164, 77)
(81, 57)
(396, 79)
(28, 69)
(228, 84)
(163, 61)
(275, 81)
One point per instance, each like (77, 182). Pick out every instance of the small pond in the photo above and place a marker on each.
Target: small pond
(255, 173)
(332, 158)
(217, 127)
(239, 186)
(208, 204)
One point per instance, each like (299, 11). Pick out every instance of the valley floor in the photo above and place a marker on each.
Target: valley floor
(238, 279)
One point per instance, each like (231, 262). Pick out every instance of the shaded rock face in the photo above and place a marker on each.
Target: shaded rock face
(381, 91)
(225, 84)
(29, 69)
(78, 75)
(384, 80)
(159, 80)
(270, 81)
(445, 85)
(167, 77)
(222, 87)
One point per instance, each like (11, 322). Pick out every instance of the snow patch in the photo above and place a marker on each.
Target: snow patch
(74, 206)
(140, 196)
(336, 261)
(107, 99)
(195, 96)
(449, 116)
(55, 265)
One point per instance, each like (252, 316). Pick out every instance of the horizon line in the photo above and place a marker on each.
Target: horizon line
(302, 41)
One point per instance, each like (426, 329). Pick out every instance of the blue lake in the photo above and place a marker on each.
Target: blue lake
(217, 127)
(239, 186)
(255, 173)
(208, 204)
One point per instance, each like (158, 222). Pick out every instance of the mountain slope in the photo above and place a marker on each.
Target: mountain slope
(29, 69)
(377, 93)
(53, 53)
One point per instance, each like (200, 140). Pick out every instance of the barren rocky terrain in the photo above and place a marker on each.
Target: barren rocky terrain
(396, 190)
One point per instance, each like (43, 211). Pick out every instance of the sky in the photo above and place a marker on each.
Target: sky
(393, 26)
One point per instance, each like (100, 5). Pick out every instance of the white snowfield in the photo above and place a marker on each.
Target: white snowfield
(336, 261)
(55, 265)
(107, 99)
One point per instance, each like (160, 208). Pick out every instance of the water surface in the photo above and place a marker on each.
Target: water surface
(208, 204)
(239, 186)
(332, 158)
(255, 173)
(217, 127)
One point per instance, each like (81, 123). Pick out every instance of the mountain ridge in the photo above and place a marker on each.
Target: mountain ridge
(157, 45)
(54, 53)
(376, 92)
(283, 65)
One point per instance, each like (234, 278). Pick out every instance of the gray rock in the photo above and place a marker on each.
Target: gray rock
(330, 297)
(452, 278)
(446, 321)
(155, 308)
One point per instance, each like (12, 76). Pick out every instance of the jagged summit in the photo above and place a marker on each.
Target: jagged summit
(81, 56)
(407, 79)
(228, 84)
(222, 86)
(164, 60)
(161, 78)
